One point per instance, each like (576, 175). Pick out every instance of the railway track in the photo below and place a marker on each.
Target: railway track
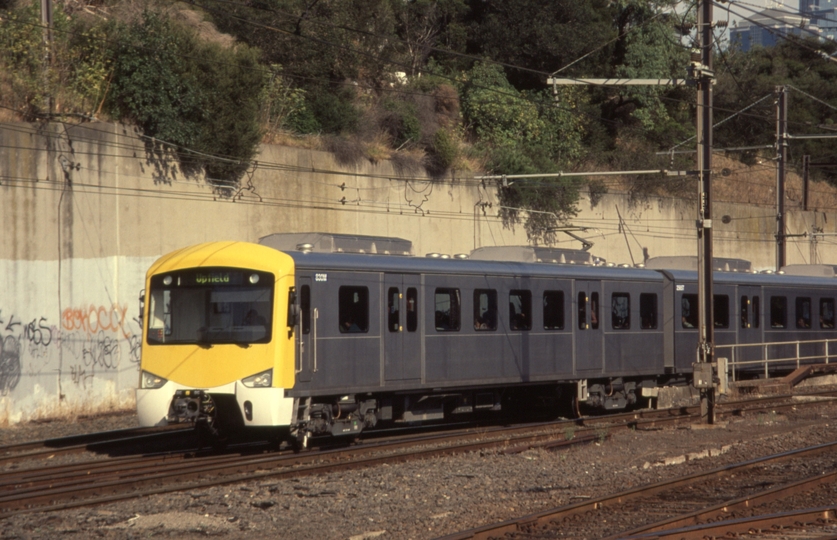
(31, 489)
(725, 500)
(123, 440)
(786, 495)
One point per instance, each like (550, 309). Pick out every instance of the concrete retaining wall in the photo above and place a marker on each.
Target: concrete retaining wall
(86, 210)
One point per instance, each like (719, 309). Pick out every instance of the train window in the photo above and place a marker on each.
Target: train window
(620, 311)
(412, 309)
(756, 311)
(803, 312)
(582, 311)
(648, 311)
(778, 312)
(826, 313)
(745, 312)
(721, 308)
(394, 309)
(553, 310)
(594, 310)
(689, 311)
(353, 309)
(160, 310)
(305, 308)
(447, 310)
(485, 309)
(520, 310)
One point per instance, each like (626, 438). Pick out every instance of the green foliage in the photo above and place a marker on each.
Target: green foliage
(400, 121)
(446, 148)
(647, 48)
(541, 36)
(91, 65)
(23, 55)
(747, 77)
(334, 112)
(323, 41)
(423, 25)
(24, 59)
(201, 97)
(523, 134)
(283, 104)
(495, 110)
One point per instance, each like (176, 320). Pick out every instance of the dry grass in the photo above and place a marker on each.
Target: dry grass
(735, 182)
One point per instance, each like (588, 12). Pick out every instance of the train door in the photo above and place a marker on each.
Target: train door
(589, 330)
(304, 335)
(402, 335)
(749, 323)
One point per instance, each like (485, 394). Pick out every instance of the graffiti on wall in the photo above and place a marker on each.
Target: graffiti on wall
(9, 365)
(96, 338)
(16, 338)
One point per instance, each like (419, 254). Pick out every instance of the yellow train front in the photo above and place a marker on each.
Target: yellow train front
(218, 348)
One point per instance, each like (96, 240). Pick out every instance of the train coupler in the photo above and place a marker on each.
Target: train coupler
(191, 406)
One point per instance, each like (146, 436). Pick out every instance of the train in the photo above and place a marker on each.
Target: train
(314, 335)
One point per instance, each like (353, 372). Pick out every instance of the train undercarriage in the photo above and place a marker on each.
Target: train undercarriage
(348, 416)
(319, 417)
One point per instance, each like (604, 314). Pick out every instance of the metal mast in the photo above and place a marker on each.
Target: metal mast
(704, 76)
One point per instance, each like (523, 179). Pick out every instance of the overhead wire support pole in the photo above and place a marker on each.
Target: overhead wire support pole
(701, 70)
(781, 163)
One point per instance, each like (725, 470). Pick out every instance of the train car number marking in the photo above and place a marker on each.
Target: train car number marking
(320, 277)
(680, 287)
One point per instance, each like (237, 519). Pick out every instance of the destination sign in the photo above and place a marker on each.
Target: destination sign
(211, 277)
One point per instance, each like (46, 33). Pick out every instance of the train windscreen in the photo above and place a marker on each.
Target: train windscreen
(208, 306)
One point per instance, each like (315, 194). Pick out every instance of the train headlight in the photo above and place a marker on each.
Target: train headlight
(259, 380)
(151, 381)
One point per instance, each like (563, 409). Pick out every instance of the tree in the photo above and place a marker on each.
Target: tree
(524, 133)
(744, 78)
(198, 96)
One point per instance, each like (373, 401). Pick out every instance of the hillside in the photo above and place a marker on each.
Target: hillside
(443, 90)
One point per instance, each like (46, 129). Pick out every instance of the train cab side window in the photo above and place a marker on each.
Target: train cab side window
(620, 311)
(353, 309)
(305, 308)
(412, 309)
(803, 312)
(553, 310)
(447, 310)
(778, 312)
(520, 310)
(648, 311)
(485, 309)
(689, 311)
(393, 309)
(721, 308)
(582, 311)
(826, 313)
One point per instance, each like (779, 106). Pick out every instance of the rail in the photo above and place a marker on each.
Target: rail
(736, 351)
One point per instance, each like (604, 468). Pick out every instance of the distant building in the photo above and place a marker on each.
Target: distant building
(767, 27)
(823, 15)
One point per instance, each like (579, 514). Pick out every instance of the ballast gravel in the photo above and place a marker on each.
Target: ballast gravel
(423, 499)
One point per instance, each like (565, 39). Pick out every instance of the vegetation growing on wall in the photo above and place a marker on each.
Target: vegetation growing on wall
(448, 85)
(201, 97)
